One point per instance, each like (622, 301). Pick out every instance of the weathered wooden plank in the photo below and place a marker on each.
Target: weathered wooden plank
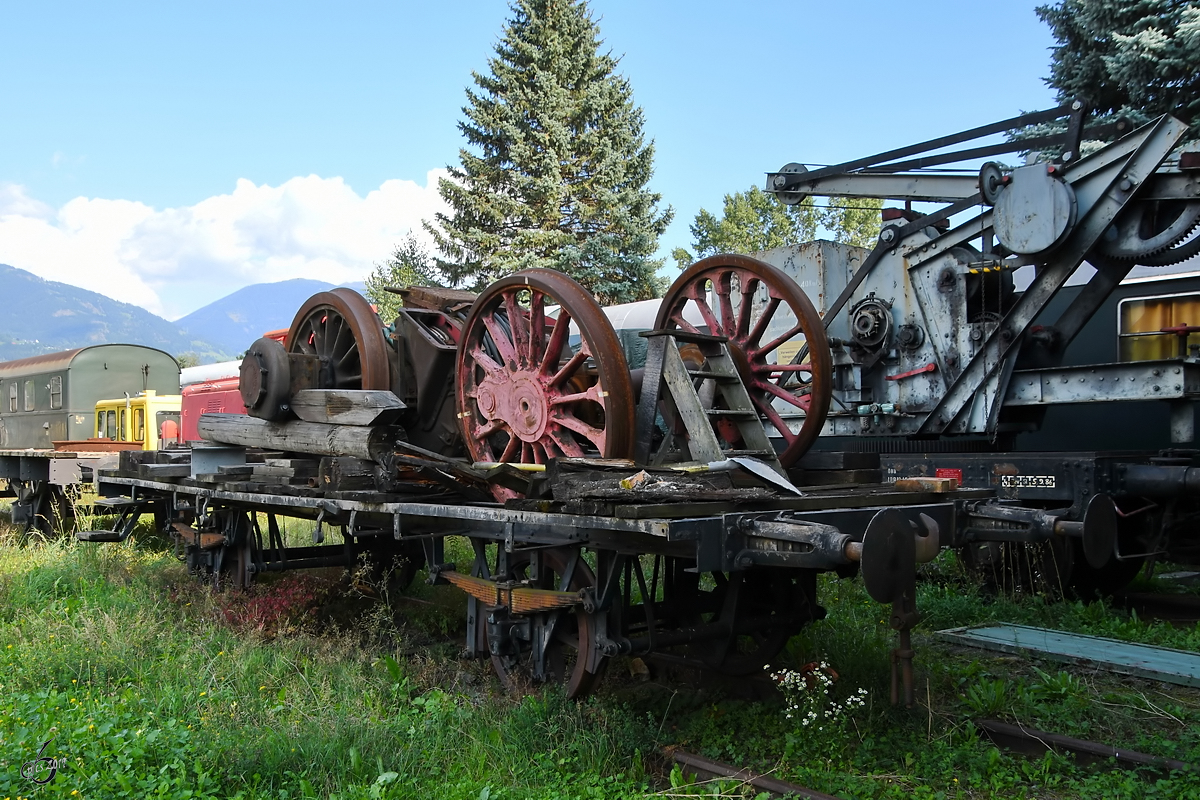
(375, 443)
(301, 469)
(434, 298)
(346, 474)
(163, 471)
(1145, 661)
(347, 406)
(938, 485)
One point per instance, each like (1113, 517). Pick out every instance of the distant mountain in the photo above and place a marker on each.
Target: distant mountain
(47, 316)
(236, 320)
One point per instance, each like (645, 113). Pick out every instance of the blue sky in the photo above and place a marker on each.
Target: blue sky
(168, 154)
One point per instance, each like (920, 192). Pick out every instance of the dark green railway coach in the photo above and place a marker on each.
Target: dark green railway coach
(51, 398)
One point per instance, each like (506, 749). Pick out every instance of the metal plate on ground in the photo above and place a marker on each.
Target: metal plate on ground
(1145, 661)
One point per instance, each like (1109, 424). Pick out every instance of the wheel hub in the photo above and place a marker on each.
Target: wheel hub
(519, 400)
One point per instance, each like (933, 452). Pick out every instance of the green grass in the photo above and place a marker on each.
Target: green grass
(150, 685)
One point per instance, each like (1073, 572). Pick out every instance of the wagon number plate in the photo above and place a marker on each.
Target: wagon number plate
(1027, 481)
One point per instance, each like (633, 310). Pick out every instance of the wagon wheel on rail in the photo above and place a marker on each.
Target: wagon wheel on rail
(763, 608)
(525, 394)
(234, 567)
(340, 328)
(50, 510)
(570, 656)
(765, 341)
(394, 564)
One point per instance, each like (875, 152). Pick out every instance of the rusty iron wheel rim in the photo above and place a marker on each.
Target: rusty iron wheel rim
(575, 631)
(342, 329)
(518, 393)
(806, 386)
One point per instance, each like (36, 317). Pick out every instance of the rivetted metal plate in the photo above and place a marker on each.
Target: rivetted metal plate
(1035, 211)
(1145, 661)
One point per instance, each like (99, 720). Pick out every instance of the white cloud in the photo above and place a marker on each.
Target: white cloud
(179, 259)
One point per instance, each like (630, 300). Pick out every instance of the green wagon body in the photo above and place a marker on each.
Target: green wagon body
(50, 398)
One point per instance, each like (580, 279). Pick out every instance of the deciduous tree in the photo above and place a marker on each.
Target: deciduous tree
(755, 220)
(410, 265)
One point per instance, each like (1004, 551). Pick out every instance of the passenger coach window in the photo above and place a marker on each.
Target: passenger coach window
(12, 396)
(29, 395)
(1144, 327)
(56, 392)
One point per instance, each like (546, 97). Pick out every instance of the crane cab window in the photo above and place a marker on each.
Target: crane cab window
(12, 396)
(1152, 328)
(139, 424)
(29, 395)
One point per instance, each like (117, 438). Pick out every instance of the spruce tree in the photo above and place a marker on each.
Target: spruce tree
(1140, 58)
(556, 167)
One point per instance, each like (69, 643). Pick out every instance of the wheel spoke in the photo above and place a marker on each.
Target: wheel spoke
(760, 326)
(782, 394)
(565, 442)
(339, 345)
(537, 327)
(767, 410)
(518, 323)
(510, 449)
(748, 284)
(500, 339)
(784, 339)
(771, 369)
(568, 369)
(313, 336)
(593, 434)
(710, 319)
(679, 322)
(485, 361)
(488, 428)
(559, 335)
(592, 394)
(723, 288)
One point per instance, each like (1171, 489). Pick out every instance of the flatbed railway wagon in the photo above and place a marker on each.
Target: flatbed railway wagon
(50, 423)
(676, 511)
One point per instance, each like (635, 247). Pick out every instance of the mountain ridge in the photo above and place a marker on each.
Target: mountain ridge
(50, 316)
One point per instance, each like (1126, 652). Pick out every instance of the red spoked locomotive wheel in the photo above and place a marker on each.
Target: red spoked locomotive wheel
(776, 338)
(525, 392)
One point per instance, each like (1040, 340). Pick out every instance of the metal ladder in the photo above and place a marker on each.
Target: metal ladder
(665, 367)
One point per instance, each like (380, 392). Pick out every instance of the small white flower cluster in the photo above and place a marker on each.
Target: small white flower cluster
(807, 693)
